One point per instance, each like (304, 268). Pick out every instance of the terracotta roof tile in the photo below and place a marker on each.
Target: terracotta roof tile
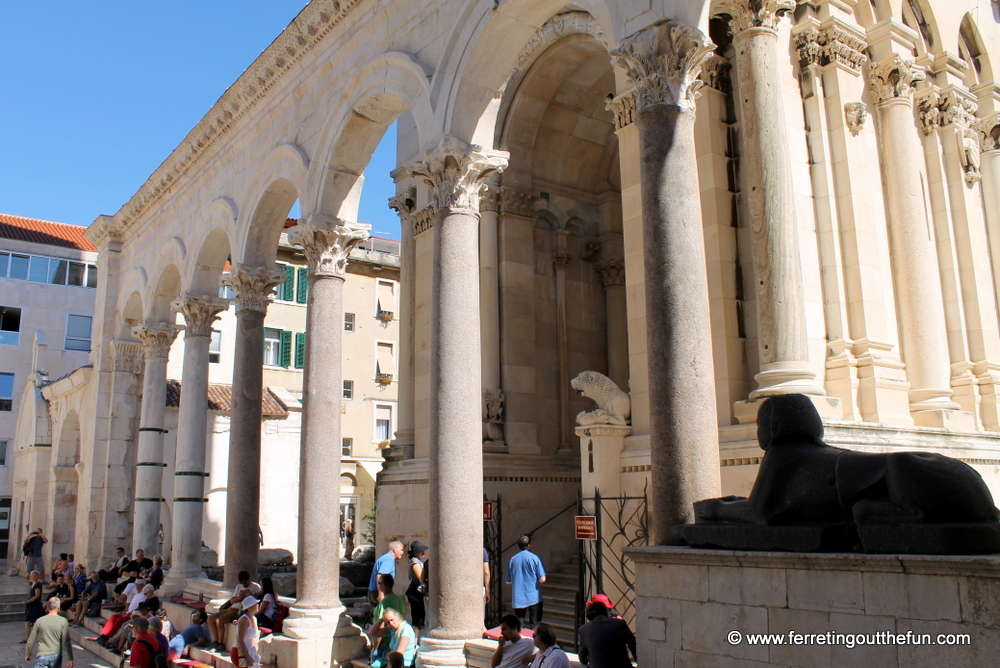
(220, 398)
(43, 232)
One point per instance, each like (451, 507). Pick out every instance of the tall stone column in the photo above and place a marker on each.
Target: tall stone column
(612, 271)
(318, 612)
(252, 287)
(200, 313)
(561, 258)
(405, 204)
(663, 62)
(767, 182)
(156, 338)
(489, 311)
(911, 237)
(455, 173)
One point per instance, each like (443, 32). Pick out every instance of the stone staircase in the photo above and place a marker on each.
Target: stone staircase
(11, 608)
(559, 597)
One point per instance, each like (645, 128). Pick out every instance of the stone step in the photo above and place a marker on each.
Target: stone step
(563, 578)
(15, 616)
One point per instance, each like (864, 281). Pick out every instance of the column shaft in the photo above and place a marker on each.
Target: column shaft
(149, 462)
(404, 204)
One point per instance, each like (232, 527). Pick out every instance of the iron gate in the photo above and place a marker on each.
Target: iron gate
(492, 535)
(622, 521)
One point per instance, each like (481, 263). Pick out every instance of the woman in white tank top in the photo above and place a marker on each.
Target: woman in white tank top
(244, 651)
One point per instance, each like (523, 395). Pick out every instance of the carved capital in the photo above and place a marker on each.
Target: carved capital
(561, 258)
(894, 78)
(404, 204)
(832, 45)
(943, 109)
(747, 14)
(489, 199)
(855, 114)
(327, 243)
(623, 107)
(612, 271)
(989, 132)
(253, 286)
(199, 312)
(124, 357)
(456, 173)
(156, 338)
(663, 62)
(715, 73)
(517, 202)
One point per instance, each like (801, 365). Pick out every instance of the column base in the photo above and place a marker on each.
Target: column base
(439, 652)
(786, 378)
(828, 407)
(312, 652)
(175, 581)
(945, 419)
(306, 623)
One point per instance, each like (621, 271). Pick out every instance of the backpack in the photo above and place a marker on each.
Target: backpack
(159, 658)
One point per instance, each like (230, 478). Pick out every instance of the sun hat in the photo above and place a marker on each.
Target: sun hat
(601, 598)
(249, 601)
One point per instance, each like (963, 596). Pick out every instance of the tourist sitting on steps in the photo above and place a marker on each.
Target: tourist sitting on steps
(402, 638)
(513, 649)
(90, 601)
(231, 609)
(193, 635)
(549, 655)
(114, 571)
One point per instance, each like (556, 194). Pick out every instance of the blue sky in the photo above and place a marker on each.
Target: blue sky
(95, 95)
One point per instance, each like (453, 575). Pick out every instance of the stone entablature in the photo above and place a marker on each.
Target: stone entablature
(838, 44)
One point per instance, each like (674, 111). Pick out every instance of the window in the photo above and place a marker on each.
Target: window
(215, 347)
(10, 325)
(385, 308)
(51, 270)
(348, 322)
(272, 347)
(19, 267)
(348, 389)
(383, 423)
(38, 270)
(78, 332)
(348, 446)
(302, 285)
(286, 291)
(300, 350)
(3, 451)
(385, 365)
(227, 292)
(6, 391)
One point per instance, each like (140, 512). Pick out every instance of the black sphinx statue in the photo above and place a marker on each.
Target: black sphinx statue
(813, 497)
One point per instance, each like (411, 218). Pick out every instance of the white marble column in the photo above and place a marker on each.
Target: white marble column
(989, 136)
(663, 62)
(318, 612)
(252, 288)
(612, 271)
(200, 313)
(912, 240)
(455, 172)
(405, 205)
(156, 338)
(489, 313)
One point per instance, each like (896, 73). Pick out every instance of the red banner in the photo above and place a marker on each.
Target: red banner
(586, 527)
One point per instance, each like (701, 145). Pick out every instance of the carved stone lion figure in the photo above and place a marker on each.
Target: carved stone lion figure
(613, 405)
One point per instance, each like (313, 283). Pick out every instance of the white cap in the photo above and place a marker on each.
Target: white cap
(248, 601)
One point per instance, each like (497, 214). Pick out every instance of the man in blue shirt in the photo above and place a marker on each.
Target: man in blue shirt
(525, 574)
(384, 565)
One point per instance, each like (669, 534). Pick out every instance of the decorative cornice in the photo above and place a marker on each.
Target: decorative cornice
(423, 220)
(894, 78)
(253, 287)
(623, 107)
(124, 357)
(105, 233)
(517, 202)
(612, 271)
(989, 132)
(855, 115)
(663, 62)
(489, 199)
(327, 243)
(557, 28)
(156, 338)
(831, 45)
(404, 204)
(455, 173)
(715, 73)
(747, 14)
(199, 312)
(307, 30)
(561, 258)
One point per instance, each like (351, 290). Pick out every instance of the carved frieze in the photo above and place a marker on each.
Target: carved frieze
(747, 14)
(327, 243)
(663, 62)
(517, 202)
(199, 312)
(489, 199)
(953, 108)
(455, 173)
(124, 357)
(612, 271)
(833, 44)
(855, 114)
(715, 73)
(253, 287)
(894, 78)
(623, 107)
(989, 132)
(423, 220)
(156, 338)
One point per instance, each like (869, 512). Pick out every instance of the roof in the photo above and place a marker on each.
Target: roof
(43, 232)
(220, 398)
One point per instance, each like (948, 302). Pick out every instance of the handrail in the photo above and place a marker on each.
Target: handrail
(531, 533)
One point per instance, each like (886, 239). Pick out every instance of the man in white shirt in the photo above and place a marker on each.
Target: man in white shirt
(513, 648)
(549, 655)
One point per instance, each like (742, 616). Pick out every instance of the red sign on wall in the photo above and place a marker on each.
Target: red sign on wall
(586, 527)
(487, 511)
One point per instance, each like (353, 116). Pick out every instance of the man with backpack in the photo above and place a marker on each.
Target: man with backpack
(146, 650)
(33, 551)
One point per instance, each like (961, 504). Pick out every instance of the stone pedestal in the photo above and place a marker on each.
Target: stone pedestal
(600, 458)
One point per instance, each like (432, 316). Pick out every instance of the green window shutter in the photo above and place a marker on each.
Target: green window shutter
(303, 285)
(286, 348)
(300, 350)
(288, 287)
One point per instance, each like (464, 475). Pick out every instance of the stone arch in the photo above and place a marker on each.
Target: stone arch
(213, 249)
(972, 49)
(352, 481)
(870, 12)
(917, 15)
(131, 301)
(165, 290)
(65, 484)
(283, 177)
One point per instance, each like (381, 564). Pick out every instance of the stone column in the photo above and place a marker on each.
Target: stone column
(405, 204)
(156, 338)
(252, 287)
(489, 309)
(455, 174)
(318, 612)
(561, 258)
(200, 313)
(911, 238)
(612, 271)
(663, 62)
(767, 182)
(989, 136)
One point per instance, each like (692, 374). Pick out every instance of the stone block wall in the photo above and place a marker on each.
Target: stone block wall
(702, 607)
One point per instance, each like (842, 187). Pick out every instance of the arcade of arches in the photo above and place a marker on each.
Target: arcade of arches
(683, 195)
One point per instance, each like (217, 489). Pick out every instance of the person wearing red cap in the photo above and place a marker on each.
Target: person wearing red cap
(605, 642)
(602, 598)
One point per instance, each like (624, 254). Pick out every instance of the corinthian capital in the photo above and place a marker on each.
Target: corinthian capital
(989, 132)
(663, 62)
(894, 78)
(746, 14)
(456, 173)
(404, 204)
(199, 312)
(612, 271)
(327, 242)
(253, 286)
(156, 338)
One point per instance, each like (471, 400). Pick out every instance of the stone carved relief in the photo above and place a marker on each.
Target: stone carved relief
(747, 14)
(423, 220)
(894, 78)
(623, 107)
(489, 199)
(327, 243)
(952, 108)
(557, 28)
(613, 405)
(156, 338)
(989, 132)
(834, 44)
(612, 271)
(404, 203)
(517, 202)
(561, 258)
(253, 287)
(493, 415)
(456, 172)
(855, 114)
(715, 73)
(663, 62)
(125, 357)
(199, 312)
